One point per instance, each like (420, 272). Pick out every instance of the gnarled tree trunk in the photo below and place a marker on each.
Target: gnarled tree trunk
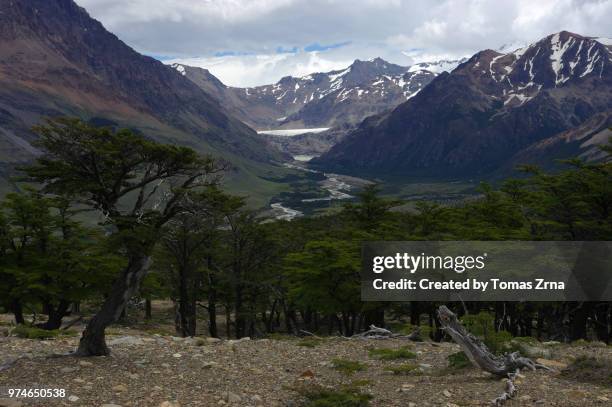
(93, 341)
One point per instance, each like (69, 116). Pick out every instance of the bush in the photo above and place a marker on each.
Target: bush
(402, 369)
(318, 396)
(458, 360)
(31, 332)
(482, 325)
(392, 354)
(348, 367)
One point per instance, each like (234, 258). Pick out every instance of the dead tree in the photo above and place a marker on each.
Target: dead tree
(508, 365)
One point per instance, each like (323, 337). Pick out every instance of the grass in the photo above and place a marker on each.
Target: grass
(392, 354)
(348, 367)
(310, 342)
(403, 369)
(589, 369)
(458, 361)
(318, 396)
(31, 332)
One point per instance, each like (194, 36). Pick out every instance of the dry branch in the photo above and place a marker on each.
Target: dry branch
(507, 366)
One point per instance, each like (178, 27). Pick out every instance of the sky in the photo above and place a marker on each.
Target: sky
(256, 42)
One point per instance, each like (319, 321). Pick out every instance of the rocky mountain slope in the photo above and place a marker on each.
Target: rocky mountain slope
(321, 99)
(486, 113)
(56, 60)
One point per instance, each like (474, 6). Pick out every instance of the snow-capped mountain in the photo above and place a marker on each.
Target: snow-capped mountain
(323, 99)
(481, 116)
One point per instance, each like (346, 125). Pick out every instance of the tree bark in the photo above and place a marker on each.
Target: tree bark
(148, 308)
(93, 341)
(17, 309)
(54, 321)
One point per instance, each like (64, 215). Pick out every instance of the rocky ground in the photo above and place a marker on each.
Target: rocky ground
(155, 370)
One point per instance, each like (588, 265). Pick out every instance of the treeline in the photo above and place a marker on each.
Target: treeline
(164, 216)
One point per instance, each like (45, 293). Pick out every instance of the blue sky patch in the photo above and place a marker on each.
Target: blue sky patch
(318, 47)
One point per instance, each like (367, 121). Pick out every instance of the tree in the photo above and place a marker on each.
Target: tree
(136, 184)
(185, 251)
(48, 258)
(325, 276)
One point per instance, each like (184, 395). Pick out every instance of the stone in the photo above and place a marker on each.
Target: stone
(177, 355)
(78, 380)
(411, 404)
(170, 404)
(73, 398)
(120, 387)
(307, 374)
(209, 365)
(232, 397)
(213, 340)
(576, 395)
(110, 405)
(69, 369)
(133, 376)
(126, 340)
(85, 363)
(257, 400)
(602, 398)
(447, 393)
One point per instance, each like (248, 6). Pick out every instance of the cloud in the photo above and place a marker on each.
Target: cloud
(244, 40)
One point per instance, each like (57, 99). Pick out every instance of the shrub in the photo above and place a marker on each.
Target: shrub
(590, 370)
(458, 360)
(392, 354)
(317, 396)
(402, 369)
(348, 367)
(482, 325)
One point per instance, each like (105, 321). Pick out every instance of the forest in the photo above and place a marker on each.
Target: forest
(109, 219)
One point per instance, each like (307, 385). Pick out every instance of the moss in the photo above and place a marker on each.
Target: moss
(458, 360)
(392, 354)
(31, 332)
(348, 367)
(403, 369)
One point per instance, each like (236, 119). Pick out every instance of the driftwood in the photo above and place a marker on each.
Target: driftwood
(507, 366)
(381, 333)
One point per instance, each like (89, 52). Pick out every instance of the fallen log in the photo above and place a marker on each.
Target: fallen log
(508, 365)
(478, 353)
(381, 333)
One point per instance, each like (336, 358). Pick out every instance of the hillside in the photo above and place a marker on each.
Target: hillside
(150, 367)
(56, 60)
(485, 114)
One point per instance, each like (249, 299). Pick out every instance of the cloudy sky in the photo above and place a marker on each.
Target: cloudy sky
(253, 42)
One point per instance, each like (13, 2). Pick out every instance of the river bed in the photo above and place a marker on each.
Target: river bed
(336, 185)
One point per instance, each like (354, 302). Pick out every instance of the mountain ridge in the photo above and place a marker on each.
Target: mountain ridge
(322, 99)
(473, 120)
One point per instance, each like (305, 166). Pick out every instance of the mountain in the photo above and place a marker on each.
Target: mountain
(487, 113)
(56, 60)
(327, 99)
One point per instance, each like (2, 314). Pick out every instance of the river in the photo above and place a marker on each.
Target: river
(335, 184)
